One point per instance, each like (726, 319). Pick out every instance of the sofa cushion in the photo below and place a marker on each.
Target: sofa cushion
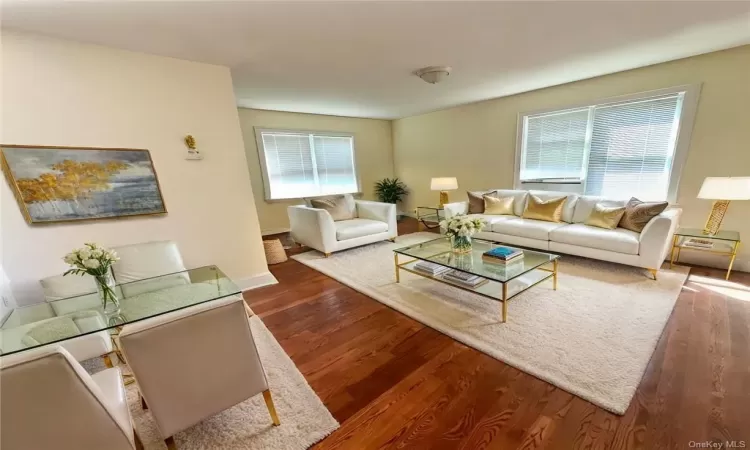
(490, 219)
(638, 214)
(547, 210)
(519, 199)
(618, 240)
(568, 207)
(354, 228)
(498, 206)
(585, 205)
(528, 228)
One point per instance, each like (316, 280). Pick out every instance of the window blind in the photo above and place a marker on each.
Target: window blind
(301, 164)
(554, 145)
(632, 148)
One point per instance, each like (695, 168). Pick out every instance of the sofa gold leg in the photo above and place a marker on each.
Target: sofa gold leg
(107, 361)
(393, 239)
(653, 272)
(326, 255)
(271, 408)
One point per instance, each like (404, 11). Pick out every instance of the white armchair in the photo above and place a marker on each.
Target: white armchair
(315, 228)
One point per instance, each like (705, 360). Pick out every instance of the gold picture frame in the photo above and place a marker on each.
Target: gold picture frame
(56, 184)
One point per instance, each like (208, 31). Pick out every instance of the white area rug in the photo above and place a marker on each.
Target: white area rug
(304, 418)
(592, 337)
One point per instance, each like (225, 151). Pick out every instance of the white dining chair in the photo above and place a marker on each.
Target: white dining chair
(57, 292)
(149, 260)
(49, 402)
(194, 363)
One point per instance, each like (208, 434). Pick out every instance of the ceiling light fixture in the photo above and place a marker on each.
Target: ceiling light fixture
(434, 74)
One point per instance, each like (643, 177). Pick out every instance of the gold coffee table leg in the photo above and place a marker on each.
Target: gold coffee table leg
(505, 302)
(554, 274)
(395, 261)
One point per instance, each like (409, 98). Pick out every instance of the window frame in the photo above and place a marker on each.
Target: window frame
(682, 139)
(310, 133)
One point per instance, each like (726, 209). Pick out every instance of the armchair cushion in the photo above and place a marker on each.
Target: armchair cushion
(354, 228)
(337, 206)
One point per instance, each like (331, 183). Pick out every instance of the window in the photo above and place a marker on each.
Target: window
(616, 149)
(299, 164)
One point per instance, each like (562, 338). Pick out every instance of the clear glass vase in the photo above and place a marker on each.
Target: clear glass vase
(461, 244)
(105, 285)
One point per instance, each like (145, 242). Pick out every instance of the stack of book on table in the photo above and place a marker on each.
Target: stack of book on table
(698, 243)
(503, 255)
(430, 268)
(464, 279)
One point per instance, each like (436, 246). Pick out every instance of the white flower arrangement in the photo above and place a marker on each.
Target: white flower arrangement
(96, 261)
(460, 229)
(462, 226)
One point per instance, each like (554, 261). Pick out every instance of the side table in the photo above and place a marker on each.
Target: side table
(722, 243)
(429, 217)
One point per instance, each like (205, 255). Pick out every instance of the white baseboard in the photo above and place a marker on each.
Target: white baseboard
(256, 281)
(273, 231)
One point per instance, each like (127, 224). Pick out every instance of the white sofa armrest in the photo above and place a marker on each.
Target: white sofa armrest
(312, 227)
(656, 238)
(382, 212)
(456, 209)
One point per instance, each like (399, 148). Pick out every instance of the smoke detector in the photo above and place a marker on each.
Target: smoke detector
(433, 74)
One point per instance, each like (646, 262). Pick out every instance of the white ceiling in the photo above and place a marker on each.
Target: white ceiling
(357, 59)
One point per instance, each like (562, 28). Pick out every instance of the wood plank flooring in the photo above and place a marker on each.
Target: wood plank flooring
(394, 383)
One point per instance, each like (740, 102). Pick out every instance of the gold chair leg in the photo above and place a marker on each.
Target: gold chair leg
(653, 272)
(138, 442)
(271, 408)
(107, 361)
(170, 443)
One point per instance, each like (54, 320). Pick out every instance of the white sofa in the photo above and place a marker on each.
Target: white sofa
(647, 249)
(315, 228)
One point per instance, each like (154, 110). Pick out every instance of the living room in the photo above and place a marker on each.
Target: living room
(374, 225)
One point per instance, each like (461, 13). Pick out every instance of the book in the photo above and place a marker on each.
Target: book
(698, 243)
(503, 253)
(430, 268)
(464, 279)
(502, 262)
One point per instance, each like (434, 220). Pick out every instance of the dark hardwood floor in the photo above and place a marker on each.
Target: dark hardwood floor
(394, 383)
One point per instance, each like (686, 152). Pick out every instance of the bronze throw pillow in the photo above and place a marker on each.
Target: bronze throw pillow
(336, 207)
(476, 201)
(549, 210)
(638, 214)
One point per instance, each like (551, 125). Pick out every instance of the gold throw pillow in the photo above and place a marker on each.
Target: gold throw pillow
(547, 210)
(336, 207)
(605, 217)
(638, 214)
(498, 205)
(476, 201)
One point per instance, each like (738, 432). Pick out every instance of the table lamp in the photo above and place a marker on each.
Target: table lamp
(722, 190)
(443, 184)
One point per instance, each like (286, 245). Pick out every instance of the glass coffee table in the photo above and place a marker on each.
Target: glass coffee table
(503, 283)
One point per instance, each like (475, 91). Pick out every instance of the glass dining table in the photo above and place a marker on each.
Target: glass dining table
(32, 326)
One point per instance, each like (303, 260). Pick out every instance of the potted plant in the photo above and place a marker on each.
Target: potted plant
(391, 190)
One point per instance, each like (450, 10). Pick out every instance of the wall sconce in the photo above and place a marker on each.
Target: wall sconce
(193, 153)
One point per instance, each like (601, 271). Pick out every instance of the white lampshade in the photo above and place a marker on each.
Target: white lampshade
(725, 188)
(444, 184)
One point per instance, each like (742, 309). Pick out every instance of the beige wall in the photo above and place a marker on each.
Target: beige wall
(476, 142)
(373, 150)
(62, 93)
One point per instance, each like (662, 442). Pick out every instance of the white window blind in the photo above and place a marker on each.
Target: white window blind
(632, 148)
(554, 146)
(303, 164)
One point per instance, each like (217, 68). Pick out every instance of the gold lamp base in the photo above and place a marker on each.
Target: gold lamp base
(717, 215)
(443, 198)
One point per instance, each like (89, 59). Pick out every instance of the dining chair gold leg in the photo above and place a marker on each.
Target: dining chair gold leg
(138, 442)
(271, 408)
(107, 361)
(170, 443)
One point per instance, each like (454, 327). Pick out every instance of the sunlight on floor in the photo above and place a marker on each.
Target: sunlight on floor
(728, 288)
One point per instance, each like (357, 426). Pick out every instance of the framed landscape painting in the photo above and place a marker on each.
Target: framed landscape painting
(59, 184)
